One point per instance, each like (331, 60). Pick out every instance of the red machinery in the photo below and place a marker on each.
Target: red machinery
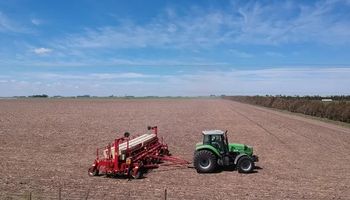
(133, 156)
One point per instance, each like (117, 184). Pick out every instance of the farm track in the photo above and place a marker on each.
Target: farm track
(49, 144)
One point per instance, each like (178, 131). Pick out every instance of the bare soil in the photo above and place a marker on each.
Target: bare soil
(50, 144)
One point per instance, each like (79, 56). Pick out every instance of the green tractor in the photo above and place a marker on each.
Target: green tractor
(215, 151)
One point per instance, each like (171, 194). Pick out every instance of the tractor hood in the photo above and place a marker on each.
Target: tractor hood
(241, 148)
(235, 147)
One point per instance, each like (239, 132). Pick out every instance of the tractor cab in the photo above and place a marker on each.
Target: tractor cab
(216, 139)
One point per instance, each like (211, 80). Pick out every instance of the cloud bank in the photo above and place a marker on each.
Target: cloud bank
(288, 81)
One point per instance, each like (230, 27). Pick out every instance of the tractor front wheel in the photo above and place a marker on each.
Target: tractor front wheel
(245, 165)
(205, 161)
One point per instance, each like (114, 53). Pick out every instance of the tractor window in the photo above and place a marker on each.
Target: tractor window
(217, 142)
(206, 139)
(216, 138)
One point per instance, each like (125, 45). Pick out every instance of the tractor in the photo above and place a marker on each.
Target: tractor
(215, 152)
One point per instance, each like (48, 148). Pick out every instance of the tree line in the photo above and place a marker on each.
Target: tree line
(338, 109)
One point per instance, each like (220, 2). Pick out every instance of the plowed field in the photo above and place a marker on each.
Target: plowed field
(50, 144)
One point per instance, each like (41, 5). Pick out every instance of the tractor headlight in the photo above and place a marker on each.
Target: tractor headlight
(128, 161)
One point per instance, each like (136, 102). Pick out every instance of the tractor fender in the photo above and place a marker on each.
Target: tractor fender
(209, 148)
(238, 157)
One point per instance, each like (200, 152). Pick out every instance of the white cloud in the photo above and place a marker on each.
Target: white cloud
(89, 76)
(119, 75)
(287, 22)
(240, 54)
(7, 25)
(274, 54)
(36, 22)
(86, 62)
(42, 51)
(289, 81)
(243, 23)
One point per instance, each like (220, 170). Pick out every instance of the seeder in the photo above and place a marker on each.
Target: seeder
(133, 156)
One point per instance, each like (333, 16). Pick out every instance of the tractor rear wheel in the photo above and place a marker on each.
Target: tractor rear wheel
(245, 165)
(205, 161)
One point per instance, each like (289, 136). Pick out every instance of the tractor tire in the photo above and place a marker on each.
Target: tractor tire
(245, 165)
(93, 171)
(205, 161)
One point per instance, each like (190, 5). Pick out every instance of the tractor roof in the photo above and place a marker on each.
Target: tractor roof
(213, 132)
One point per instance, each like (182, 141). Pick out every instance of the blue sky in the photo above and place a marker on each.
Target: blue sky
(174, 48)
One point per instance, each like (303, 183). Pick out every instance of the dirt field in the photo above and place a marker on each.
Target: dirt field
(48, 144)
